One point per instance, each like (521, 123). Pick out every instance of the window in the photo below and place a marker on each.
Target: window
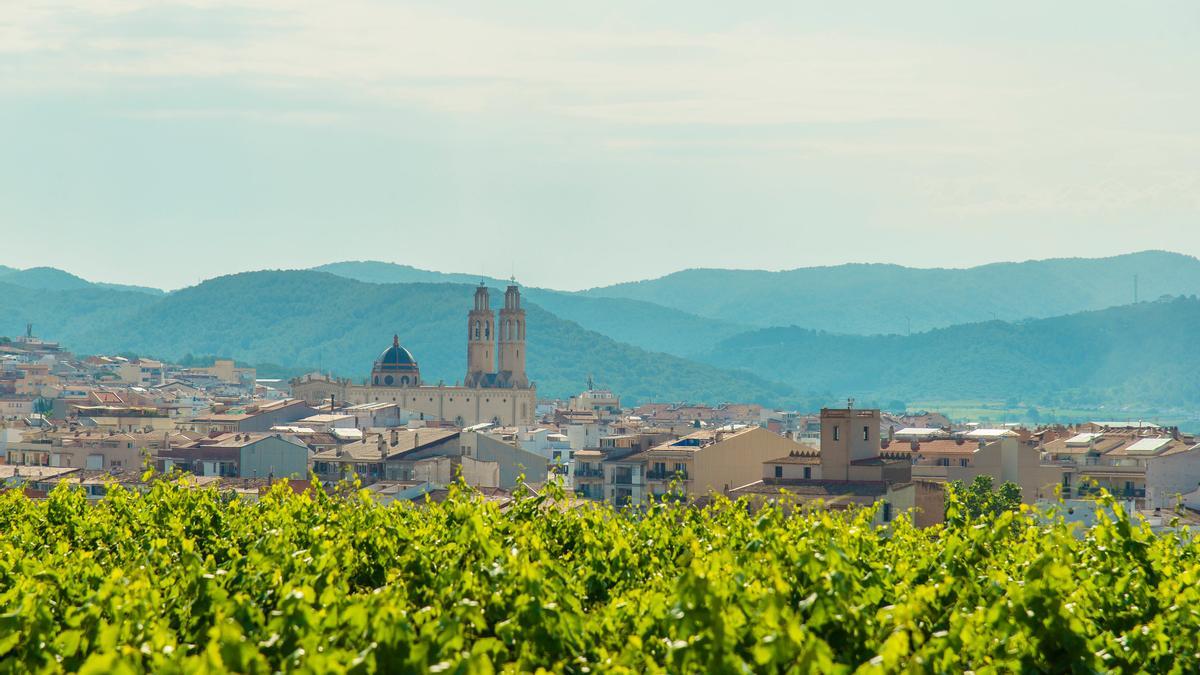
(943, 461)
(388, 380)
(866, 433)
(887, 512)
(836, 434)
(964, 462)
(808, 473)
(778, 471)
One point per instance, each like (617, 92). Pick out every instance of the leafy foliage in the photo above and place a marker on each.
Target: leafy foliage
(183, 580)
(978, 500)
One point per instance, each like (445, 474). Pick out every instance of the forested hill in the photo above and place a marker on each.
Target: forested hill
(54, 279)
(304, 319)
(873, 299)
(1143, 354)
(643, 324)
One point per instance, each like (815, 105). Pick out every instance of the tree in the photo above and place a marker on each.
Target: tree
(978, 500)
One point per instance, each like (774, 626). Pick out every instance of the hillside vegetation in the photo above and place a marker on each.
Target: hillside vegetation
(303, 320)
(872, 299)
(643, 324)
(1138, 354)
(182, 580)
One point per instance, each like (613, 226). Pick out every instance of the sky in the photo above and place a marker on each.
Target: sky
(574, 145)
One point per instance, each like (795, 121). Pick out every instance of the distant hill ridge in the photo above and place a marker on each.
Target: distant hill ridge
(54, 279)
(1141, 354)
(883, 298)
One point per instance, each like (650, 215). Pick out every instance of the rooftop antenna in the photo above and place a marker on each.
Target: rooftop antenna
(850, 403)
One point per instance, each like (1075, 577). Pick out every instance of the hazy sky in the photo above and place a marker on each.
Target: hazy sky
(158, 142)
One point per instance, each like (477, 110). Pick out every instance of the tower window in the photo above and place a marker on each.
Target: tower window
(836, 433)
(388, 380)
(866, 433)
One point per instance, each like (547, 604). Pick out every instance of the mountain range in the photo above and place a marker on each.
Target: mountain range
(870, 299)
(1050, 332)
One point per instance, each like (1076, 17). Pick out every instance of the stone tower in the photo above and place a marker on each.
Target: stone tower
(481, 365)
(512, 341)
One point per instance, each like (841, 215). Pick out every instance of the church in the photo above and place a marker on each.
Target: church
(495, 389)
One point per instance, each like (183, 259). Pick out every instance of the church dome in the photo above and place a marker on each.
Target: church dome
(395, 367)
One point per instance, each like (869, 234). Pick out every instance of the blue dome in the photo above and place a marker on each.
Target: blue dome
(395, 359)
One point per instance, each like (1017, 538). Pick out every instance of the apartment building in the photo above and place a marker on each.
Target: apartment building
(1003, 456)
(1143, 464)
(241, 455)
(711, 461)
(254, 417)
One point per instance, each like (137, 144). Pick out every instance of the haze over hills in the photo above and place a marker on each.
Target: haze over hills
(303, 320)
(1141, 354)
(874, 298)
(50, 278)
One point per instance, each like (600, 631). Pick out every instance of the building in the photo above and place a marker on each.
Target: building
(601, 401)
(241, 455)
(1003, 456)
(254, 417)
(496, 388)
(711, 461)
(388, 455)
(141, 372)
(851, 468)
(228, 372)
(1143, 464)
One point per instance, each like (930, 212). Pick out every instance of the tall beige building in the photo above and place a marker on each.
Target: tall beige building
(503, 395)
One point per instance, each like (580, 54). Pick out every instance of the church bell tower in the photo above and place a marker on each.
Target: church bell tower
(480, 341)
(512, 340)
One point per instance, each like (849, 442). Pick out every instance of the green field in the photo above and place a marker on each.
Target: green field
(1000, 412)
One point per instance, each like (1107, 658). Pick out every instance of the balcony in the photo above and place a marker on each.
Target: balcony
(666, 475)
(589, 473)
(621, 479)
(1119, 493)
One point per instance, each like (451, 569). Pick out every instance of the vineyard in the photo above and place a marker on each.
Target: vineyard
(186, 580)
